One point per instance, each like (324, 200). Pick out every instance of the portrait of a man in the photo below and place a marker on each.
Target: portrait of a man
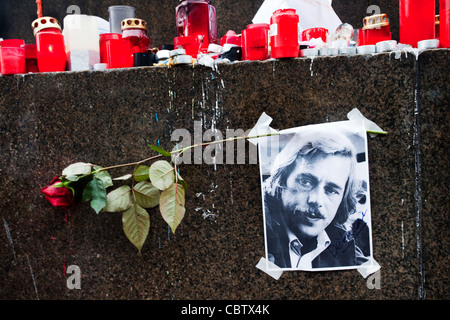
(312, 196)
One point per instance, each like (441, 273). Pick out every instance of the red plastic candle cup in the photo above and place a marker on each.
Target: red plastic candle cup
(12, 43)
(51, 52)
(417, 21)
(104, 38)
(197, 18)
(50, 46)
(315, 33)
(284, 36)
(12, 60)
(31, 58)
(135, 31)
(376, 29)
(231, 38)
(255, 41)
(190, 44)
(444, 23)
(119, 54)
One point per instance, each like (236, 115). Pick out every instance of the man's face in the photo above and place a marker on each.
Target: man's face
(314, 191)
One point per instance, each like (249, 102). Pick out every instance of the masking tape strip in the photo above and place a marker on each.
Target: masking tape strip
(261, 127)
(372, 128)
(269, 268)
(369, 267)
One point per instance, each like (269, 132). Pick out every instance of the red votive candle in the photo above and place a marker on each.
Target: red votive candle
(12, 60)
(104, 38)
(51, 51)
(119, 54)
(255, 42)
(284, 35)
(417, 21)
(444, 23)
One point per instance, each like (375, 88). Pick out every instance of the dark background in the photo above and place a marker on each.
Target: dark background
(16, 16)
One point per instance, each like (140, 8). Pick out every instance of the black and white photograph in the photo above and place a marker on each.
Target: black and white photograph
(316, 197)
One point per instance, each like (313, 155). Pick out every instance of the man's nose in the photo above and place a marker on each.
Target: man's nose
(315, 197)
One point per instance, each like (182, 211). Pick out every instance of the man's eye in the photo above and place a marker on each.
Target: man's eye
(304, 183)
(331, 191)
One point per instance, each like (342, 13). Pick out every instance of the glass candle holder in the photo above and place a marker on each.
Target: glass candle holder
(50, 47)
(417, 21)
(284, 34)
(197, 18)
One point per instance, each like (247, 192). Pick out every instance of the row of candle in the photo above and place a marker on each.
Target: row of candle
(196, 30)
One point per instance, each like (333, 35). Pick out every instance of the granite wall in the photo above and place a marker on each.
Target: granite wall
(48, 121)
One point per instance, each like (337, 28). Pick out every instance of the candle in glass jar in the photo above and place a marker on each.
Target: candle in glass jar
(197, 18)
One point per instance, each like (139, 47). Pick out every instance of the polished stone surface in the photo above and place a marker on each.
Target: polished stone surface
(49, 121)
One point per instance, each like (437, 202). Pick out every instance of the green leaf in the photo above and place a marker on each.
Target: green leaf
(160, 150)
(136, 223)
(79, 168)
(181, 181)
(118, 200)
(171, 205)
(161, 174)
(104, 176)
(141, 173)
(147, 195)
(96, 193)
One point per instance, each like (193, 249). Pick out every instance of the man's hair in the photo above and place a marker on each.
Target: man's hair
(310, 145)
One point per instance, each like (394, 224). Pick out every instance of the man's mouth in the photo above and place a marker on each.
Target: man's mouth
(312, 215)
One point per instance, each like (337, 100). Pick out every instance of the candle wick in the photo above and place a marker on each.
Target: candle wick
(39, 8)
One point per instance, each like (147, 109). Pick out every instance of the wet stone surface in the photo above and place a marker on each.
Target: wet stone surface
(49, 121)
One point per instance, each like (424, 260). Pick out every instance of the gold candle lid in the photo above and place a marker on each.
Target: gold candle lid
(44, 23)
(134, 23)
(375, 21)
